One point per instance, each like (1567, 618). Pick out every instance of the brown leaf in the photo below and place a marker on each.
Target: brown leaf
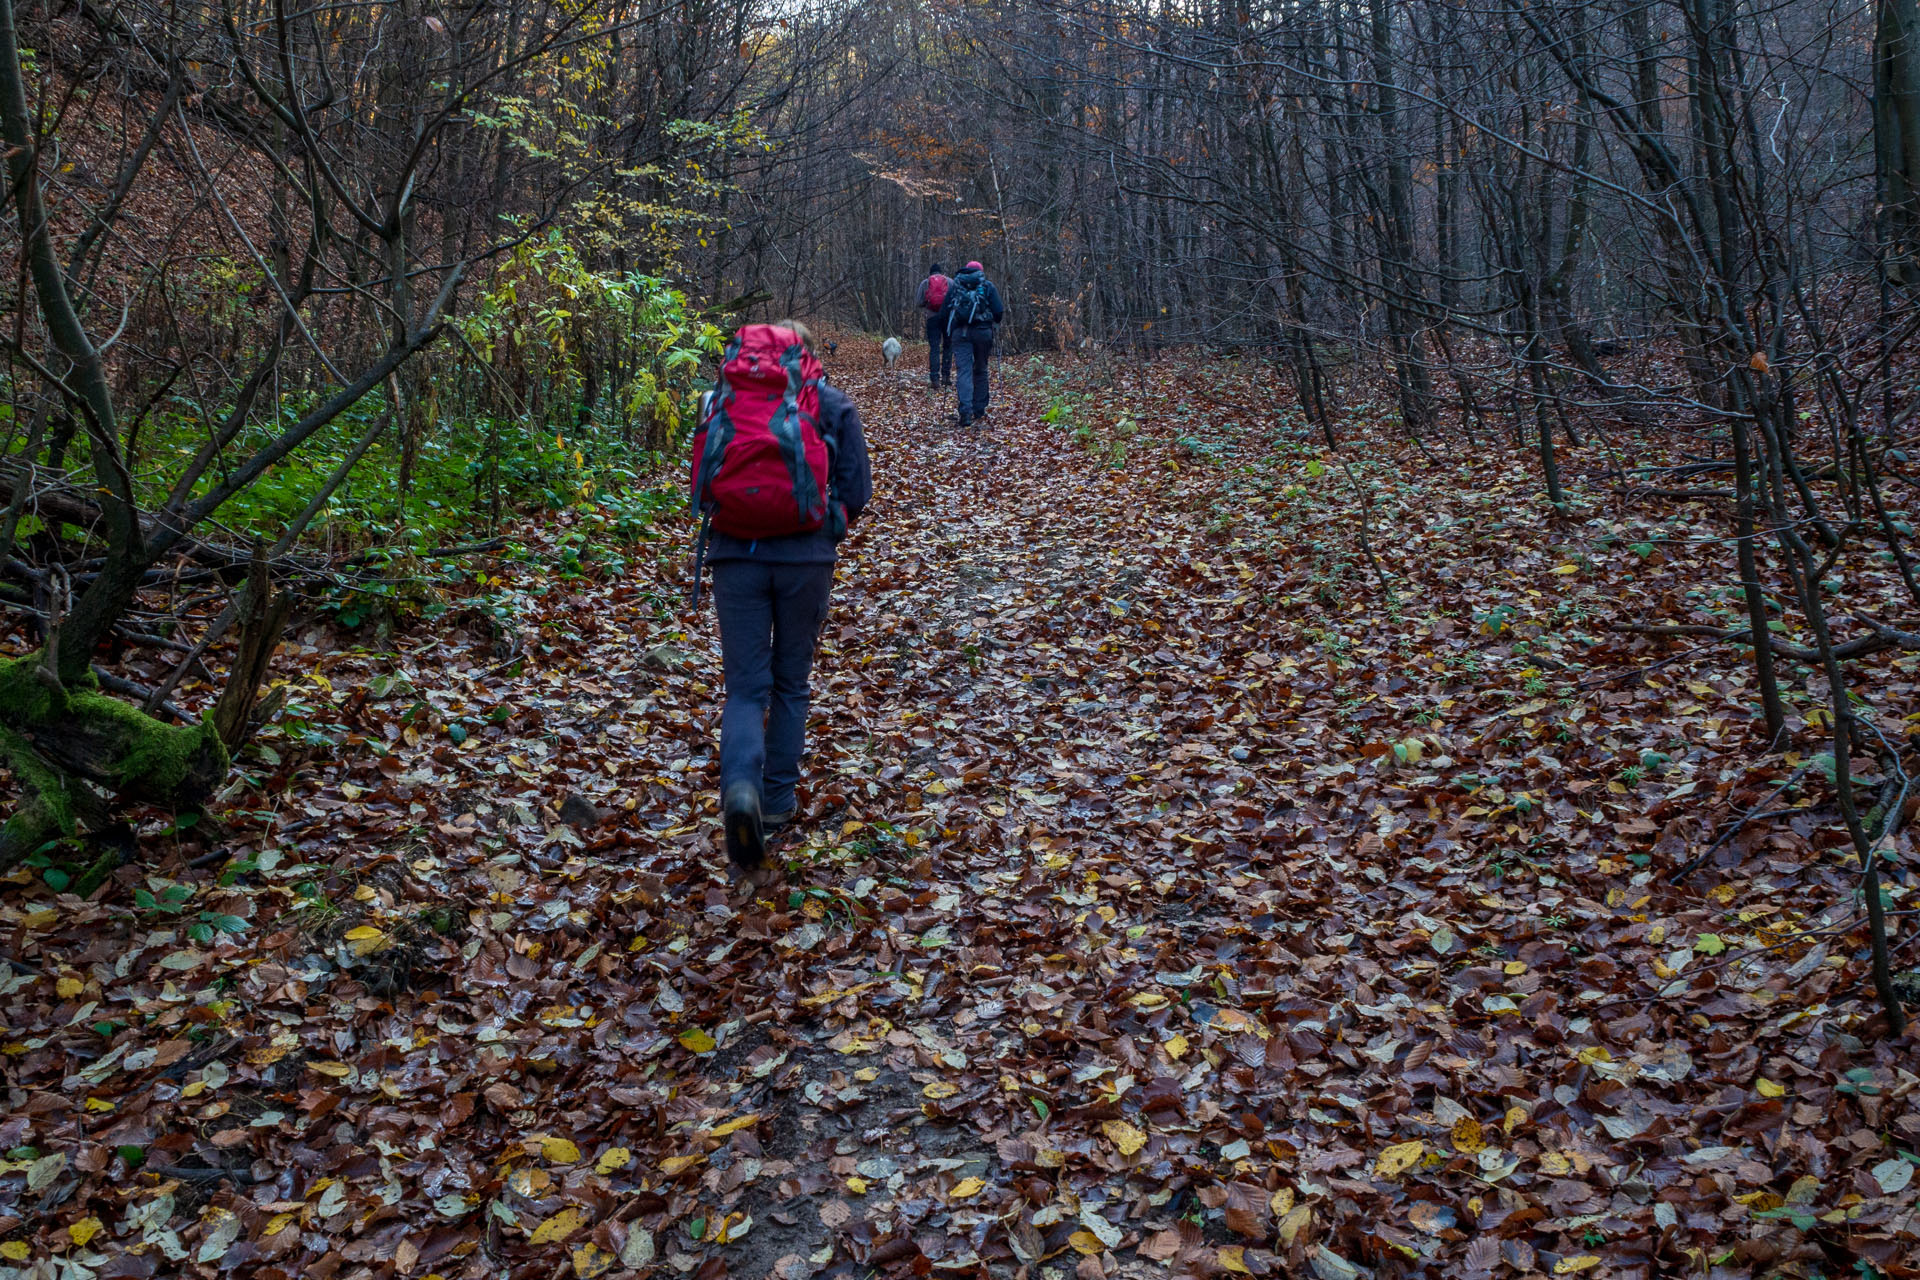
(456, 1109)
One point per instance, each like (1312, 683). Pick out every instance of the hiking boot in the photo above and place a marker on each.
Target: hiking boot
(746, 836)
(775, 821)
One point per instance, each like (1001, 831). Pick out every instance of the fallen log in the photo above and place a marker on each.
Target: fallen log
(63, 742)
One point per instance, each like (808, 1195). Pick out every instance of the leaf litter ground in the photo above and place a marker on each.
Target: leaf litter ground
(1171, 899)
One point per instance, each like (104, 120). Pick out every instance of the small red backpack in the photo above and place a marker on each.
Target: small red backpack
(936, 292)
(762, 467)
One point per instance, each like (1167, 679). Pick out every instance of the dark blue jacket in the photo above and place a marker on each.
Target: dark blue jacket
(969, 280)
(852, 485)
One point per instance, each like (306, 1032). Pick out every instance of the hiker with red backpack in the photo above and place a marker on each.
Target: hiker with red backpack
(779, 473)
(933, 296)
(969, 313)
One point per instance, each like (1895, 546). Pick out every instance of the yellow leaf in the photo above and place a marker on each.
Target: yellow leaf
(558, 1150)
(1769, 1088)
(1233, 1258)
(1086, 1242)
(590, 1260)
(1759, 1200)
(1124, 1136)
(85, 1230)
(67, 988)
(1399, 1158)
(697, 1040)
(1176, 1047)
(613, 1158)
(967, 1188)
(1594, 1054)
(100, 1104)
(278, 1223)
(365, 939)
(1469, 1136)
(1515, 1116)
(1148, 1001)
(673, 1165)
(734, 1126)
(1583, 1262)
(1514, 968)
(941, 1089)
(1298, 1219)
(1566, 569)
(266, 1055)
(338, 1070)
(1281, 1202)
(16, 1251)
(857, 1185)
(559, 1226)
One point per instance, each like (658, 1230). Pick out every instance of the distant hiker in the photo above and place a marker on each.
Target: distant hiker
(969, 313)
(779, 472)
(933, 296)
(890, 351)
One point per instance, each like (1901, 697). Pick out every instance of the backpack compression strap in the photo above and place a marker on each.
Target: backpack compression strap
(786, 429)
(719, 428)
(953, 307)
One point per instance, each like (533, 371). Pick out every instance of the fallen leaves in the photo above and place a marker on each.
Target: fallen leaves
(1145, 848)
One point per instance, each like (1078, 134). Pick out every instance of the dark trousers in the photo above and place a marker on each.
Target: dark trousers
(770, 615)
(971, 347)
(939, 353)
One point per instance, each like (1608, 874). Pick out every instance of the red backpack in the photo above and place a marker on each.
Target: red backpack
(934, 292)
(761, 466)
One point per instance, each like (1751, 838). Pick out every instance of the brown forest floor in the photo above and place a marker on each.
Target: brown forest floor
(1171, 901)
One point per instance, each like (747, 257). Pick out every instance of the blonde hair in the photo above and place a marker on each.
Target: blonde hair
(800, 331)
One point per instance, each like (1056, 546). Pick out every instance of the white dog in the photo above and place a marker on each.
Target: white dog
(890, 350)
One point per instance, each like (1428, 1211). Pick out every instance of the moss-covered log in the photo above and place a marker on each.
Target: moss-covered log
(67, 744)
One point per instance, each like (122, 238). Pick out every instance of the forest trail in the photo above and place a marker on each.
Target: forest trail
(1170, 901)
(1080, 882)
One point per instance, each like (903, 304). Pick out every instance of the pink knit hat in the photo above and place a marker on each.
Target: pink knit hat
(974, 266)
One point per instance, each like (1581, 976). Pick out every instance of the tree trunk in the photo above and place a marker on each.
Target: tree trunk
(1896, 130)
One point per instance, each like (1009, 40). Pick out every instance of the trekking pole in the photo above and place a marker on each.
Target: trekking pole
(700, 556)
